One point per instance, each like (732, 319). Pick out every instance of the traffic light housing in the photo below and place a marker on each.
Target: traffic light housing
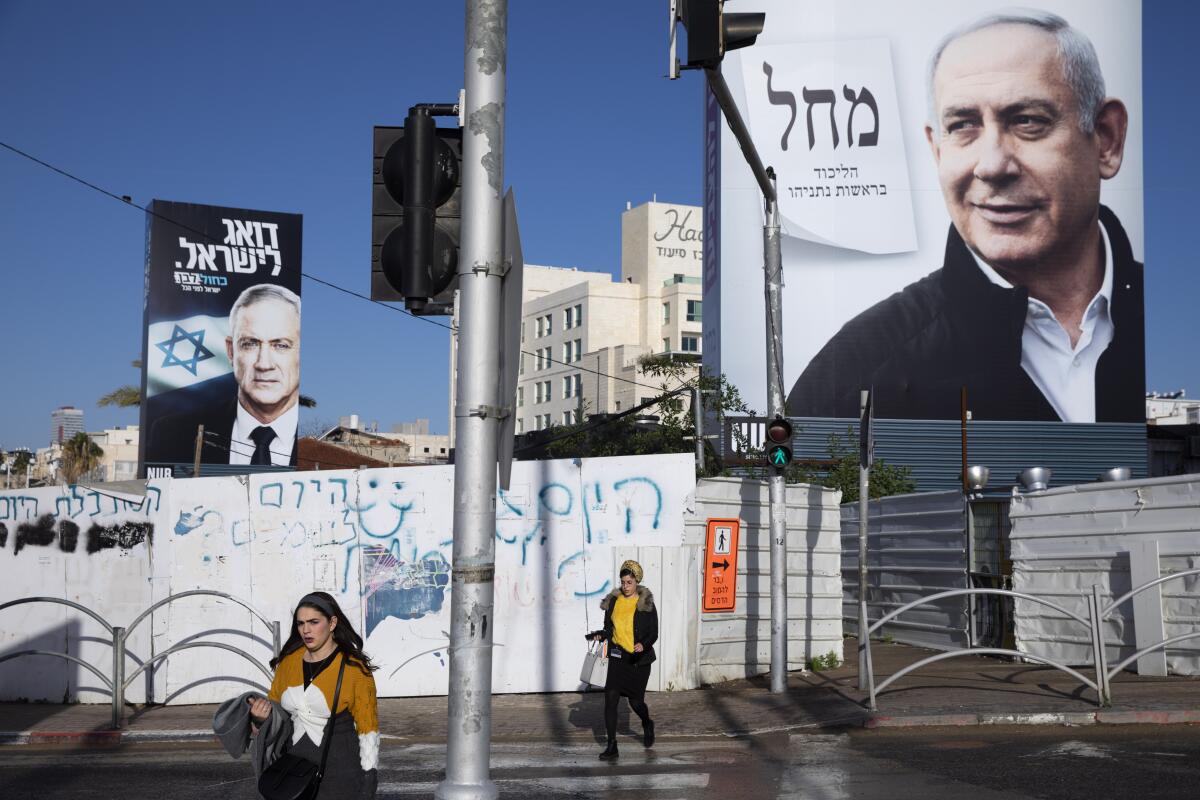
(779, 442)
(416, 213)
(712, 32)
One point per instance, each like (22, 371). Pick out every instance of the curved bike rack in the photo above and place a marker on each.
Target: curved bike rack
(1097, 612)
(60, 601)
(117, 683)
(1099, 684)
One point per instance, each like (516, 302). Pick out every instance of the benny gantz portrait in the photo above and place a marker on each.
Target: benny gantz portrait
(1037, 309)
(259, 425)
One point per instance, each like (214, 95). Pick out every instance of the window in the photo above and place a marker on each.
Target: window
(521, 363)
(549, 391)
(578, 350)
(549, 323)
(537, 393)
(545, 421)
(666, 345)
(520, 427)
(568, 385)
(541, 327)
(666, 313)
(691, 344)
(520, 396)
(572, 385)
(570, 417)
(578, 385)
(572, 317)
(619, 408)
(427, 450)
(694, 310)
(566, 353)
(522, 331)
(578, 315)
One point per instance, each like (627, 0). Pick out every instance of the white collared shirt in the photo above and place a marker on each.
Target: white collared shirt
(1066, 375)
(242, 449)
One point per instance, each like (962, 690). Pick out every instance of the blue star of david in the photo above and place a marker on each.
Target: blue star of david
(199, 351)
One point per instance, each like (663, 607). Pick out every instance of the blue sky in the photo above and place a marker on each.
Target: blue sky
(248, 104)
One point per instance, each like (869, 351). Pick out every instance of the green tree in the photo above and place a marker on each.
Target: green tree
(675, 431)
(80, 455)
(20, 461)
(886, 479)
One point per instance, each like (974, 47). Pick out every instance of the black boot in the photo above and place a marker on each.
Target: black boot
(610, 752)
(648, 733)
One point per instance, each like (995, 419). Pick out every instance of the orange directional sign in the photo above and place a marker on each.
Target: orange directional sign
(720, 564)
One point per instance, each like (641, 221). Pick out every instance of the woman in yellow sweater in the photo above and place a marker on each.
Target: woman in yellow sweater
(631, 628)
(306, 674)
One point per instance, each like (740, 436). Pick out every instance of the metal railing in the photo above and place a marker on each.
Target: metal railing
(1096, 615)
(117, 683)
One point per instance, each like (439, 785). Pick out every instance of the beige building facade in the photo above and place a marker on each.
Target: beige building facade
(582, 333)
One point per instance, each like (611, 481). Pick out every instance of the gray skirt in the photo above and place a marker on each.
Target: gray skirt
(344, 776)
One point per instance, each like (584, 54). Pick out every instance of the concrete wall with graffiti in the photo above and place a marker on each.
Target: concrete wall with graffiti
(379, 540)
(82, 545)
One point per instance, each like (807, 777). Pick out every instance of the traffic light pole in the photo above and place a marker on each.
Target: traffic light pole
(472, 621)
(773, 279)
(777, 492)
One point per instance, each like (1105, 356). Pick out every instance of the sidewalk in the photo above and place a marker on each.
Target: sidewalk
(969, 690)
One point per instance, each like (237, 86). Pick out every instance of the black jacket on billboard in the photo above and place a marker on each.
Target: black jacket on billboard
(956, 328)
(173, 437)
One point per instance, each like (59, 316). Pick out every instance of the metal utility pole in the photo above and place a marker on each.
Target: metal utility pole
(711, 33)
(773, 291)
(698, 416)
(864, 495)
(476, 411)
(777, 491)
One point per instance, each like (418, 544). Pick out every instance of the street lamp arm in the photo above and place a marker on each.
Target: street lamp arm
(716, 82)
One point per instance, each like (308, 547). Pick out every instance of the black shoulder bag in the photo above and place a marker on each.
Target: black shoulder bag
(291, 777)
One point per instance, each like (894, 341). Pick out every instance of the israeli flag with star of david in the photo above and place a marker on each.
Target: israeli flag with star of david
(185, 352)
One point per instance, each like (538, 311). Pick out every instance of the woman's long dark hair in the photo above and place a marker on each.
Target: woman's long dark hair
(344, 635)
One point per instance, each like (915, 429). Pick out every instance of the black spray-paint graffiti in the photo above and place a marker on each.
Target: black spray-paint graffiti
(43, 533)
(815, 97)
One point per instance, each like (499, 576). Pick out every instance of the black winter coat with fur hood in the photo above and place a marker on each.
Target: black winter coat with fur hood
(645, 623)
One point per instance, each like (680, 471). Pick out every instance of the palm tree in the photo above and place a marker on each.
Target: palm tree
(80, 455)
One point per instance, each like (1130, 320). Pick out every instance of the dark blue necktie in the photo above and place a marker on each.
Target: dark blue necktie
(262, 437)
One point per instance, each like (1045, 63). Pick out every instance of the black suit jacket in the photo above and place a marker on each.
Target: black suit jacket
(173, 437)
(955, 328)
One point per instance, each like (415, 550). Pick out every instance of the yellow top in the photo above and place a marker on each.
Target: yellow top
(622, 621)
(309, 708)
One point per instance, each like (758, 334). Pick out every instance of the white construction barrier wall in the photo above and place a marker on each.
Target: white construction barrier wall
(1118, 535)
(378, 540)
(737, 644)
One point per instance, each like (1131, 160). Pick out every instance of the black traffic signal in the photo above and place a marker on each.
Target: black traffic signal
(416, 213)
(779, 442)
(711, 32)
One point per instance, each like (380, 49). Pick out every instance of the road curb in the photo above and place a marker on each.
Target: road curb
(1066, 718)
(869, 721)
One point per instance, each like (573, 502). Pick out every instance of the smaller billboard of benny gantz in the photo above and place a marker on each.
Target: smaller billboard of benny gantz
(221, 346)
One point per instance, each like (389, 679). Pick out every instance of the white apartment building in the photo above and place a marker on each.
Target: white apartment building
(120, 459)
(1172, 408)
(582, 332)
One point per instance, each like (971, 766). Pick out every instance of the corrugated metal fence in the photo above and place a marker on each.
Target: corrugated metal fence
(916, 546)
(932, 449)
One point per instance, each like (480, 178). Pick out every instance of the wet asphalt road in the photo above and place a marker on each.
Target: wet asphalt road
(978, 763)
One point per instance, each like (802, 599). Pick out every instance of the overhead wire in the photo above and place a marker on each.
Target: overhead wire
(125, 200)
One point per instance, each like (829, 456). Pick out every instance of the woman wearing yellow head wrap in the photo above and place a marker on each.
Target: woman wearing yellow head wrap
(631, 628)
